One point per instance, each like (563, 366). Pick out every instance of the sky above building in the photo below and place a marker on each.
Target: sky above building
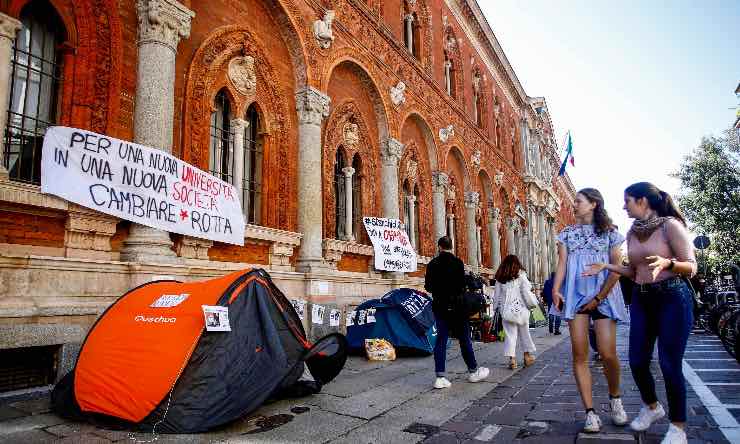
(638, 83)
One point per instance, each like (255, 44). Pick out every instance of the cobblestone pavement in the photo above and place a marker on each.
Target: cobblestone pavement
(541, 403)
(393, 402)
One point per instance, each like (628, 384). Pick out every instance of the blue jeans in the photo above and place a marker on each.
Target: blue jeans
(553, 320)
(440, 347)
(663, 312)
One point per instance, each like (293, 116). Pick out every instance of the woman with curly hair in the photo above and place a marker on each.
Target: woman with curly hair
(660, 255)
(585, 299)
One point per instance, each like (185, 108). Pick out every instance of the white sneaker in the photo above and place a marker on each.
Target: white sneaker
(674, 435)
(480, 374)
(593, 423)
(619, 416)
(646, 417)
(442, 383)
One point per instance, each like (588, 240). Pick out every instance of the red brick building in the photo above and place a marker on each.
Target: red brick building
(318, 111)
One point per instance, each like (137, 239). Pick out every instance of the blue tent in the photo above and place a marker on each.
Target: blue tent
(403, 317)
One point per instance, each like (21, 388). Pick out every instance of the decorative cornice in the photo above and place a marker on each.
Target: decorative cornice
(348, 247)
(272, 235)
(163, 21)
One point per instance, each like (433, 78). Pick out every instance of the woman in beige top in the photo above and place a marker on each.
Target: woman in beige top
(660, 254)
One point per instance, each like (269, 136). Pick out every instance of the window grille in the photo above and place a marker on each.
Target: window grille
(252, 181)
(221, 162)
(35, 78)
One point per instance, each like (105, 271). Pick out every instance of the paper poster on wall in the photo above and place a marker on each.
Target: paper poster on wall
(139, 184)
(217, 318)
(393, 250)
(370, 315)
(334, 317)
(317, 314)
(361, 317)
(351, 318)
(300, 307)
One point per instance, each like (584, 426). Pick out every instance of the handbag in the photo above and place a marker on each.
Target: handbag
(514, 310)
(470, 302)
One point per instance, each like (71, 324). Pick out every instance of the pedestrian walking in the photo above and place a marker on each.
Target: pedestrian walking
(513, 295)
(553, 315)
(587, 299)
(445, 280)
(660, 255)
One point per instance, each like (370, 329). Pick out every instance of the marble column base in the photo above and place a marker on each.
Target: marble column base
(148, 245)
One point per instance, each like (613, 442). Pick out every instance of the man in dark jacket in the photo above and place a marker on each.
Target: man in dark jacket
(553, 319)
(445, 279)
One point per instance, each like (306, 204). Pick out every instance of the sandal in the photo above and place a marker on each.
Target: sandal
(528, 359)
(512, 364)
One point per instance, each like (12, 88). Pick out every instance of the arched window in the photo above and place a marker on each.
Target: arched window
(35, 76)
(339, 197)
(357, 227)
(221, 159)
(252, 180)
(449, 67)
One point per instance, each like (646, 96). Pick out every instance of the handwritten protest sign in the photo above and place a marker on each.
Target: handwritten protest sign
(141, 184)
(393, 251)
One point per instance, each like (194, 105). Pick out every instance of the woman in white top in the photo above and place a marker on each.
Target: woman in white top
(513, 295)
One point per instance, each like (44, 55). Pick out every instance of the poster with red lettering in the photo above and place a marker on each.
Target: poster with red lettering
(141, 184)
(393, 250)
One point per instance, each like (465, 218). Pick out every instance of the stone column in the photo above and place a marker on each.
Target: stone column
(239, 127)
(493, 224)
(312, 106)
(524, 253)
(451, 229)
(510, 239)
(8, 29)
(544, 246)
(471, 204)
(348, 172)
(478, 249)
(448, 77)
(439, 187)
(409, 23)
(162, 23)
(390, 155)
(412, 219)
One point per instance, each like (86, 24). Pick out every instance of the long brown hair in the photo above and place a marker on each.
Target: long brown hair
(658, 200)
(509, 269)
(602, 221)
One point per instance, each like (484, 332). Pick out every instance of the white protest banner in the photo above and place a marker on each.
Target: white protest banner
(393, 251)
(141, 184)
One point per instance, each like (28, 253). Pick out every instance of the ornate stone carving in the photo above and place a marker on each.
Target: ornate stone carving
(471, 199)
(494, 214)
(9, 26)
(348, 171)
(312, 105)
(440, 181)
(412, 170)
(398, 96)
(475, 159)
(242, 74)
(391, 151)
(163, 21)
(87, 233)
(498, 179)
(193, 248)
(322, 30)
(351, 135)
(446, 133)
(451, 191)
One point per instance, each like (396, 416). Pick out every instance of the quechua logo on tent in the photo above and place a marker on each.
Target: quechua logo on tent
(155, 320)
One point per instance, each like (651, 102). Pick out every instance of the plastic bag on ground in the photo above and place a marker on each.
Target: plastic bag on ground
(379, 350)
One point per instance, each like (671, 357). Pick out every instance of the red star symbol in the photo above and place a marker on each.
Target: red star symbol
(183, 214)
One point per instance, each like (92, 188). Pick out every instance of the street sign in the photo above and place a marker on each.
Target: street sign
(701, 242)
